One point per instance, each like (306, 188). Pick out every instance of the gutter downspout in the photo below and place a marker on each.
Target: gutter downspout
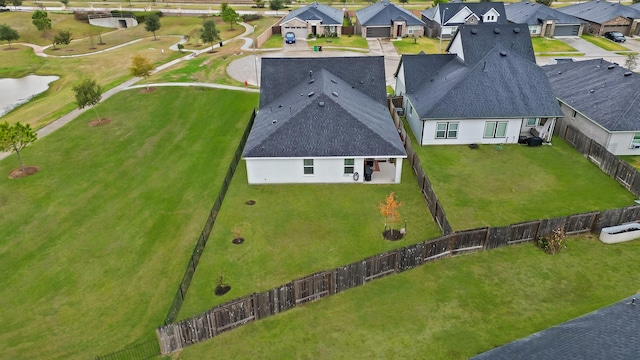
(422, 133)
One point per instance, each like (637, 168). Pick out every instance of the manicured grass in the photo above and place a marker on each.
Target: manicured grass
(545, 45)
(490, 187)
(604, 43)
(354, 41)
(631, 159)
(94, 245)
(296, 230)
(21, 22)
(449, 309)
(274, 42)
(410, 45)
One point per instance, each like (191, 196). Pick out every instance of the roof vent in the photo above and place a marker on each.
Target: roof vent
(516, 30)
(280, 105)
(311, 94)
(591, 91)
(312, 81)
(496, 31)
(334, 94)
(628, 73)
(474, 31)
(559, 72)
(321, 103)
(333, 81)
(274, 121)
(611, 66)
(361, 82)
(503, 53)
(310, 74)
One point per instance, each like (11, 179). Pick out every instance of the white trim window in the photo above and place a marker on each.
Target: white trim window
(495, 129)
(447, 130)
(532, 122)
(349, 166)
(635, 143)
(308, 166)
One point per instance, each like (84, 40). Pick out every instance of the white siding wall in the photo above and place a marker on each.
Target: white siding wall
(286, 171)
(586, 126)
(620, 143)
(471, 131)
(456, 47)
(400, 87)
(413, 119)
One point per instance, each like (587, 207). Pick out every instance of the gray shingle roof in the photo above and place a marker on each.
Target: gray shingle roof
(600, 12)
(384, 13)
(610, 333)
(533, 13)
(324, 117)
(635, 6)
(315, 11)
(479, 9)
(599, 90)
(498, 79)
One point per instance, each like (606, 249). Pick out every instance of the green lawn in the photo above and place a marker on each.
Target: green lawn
(296, 230)
(93, 247)
(546, 45)
(274, 42)
(21, 22)
(410, 45)
(451, 309)
(345, 41)
(490, 187)
(604, 43)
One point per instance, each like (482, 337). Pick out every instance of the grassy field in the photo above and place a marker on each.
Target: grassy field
(446, 310)
(411, 45)
(604, 43)
(93, 246)
(490, 187)
(296, 230)
(21, 22)
(545, 45)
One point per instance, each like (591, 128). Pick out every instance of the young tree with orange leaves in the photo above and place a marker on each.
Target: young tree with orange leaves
(389, 209)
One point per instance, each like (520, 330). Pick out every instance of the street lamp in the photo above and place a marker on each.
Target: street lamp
(442, 27)
(255, 58)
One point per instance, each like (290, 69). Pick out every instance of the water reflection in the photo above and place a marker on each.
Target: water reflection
(14, 92)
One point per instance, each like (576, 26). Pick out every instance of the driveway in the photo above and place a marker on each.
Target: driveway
(590, 51)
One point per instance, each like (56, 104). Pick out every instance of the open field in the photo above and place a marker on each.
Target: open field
(93, 246)
(296, 230)
(491, 187)
(446, 310)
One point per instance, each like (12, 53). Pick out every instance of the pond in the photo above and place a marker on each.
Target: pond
(19, 91)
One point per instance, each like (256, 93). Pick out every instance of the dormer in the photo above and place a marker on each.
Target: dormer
(459, 17)
(490, 16)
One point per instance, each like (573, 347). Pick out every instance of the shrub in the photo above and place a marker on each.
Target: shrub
(554, 242)
(251, 17)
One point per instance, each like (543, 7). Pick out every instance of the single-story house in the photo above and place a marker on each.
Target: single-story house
(313, 19)
(543, 20)
(599, 99)
(443, 19)
(386, 20)
(486, 90)
(603, 16)
(323, 120)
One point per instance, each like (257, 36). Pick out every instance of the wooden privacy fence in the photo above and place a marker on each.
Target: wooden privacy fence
(434, 205)
(624, 173)
(173, 337)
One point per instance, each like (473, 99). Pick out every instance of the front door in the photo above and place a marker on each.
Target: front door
(313, 30)
(399, 31)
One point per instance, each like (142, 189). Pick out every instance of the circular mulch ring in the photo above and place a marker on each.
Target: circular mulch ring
(147, 90)
(392, 235)
(250, 202)
(28, 170)
(222, 289)
(238, 240)
(98, 122)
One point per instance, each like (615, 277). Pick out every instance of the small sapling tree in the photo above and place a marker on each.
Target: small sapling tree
(88, 93)
(209, 33)
(8, 34)
(16, 137)
(229, 15)
(41, 20)
(389, 209)
(152, 24)
(141, 67)
(63, 37)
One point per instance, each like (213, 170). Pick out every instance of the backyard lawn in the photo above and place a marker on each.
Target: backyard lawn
(296, 230)
(450, 309)
(491, 187)
(93, 247)
(410, 45)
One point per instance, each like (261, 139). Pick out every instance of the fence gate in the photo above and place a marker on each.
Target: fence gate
(312, 288)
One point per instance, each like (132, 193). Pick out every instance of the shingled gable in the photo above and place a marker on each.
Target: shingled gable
(452, 9)
(315, 11)
(385, 13)
(323, 115)
(497, 79)
(532, 13)
(599, 90)
(363, 73)
(600, 12)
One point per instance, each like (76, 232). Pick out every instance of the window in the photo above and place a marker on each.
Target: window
(349, 166)
(531, 122)
(308, 166)
(636, 141)
(534, 30)
(446, 130)
(495, 129)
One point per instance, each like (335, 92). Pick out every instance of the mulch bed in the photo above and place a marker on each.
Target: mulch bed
(28, 170)
(238, 240)
(146, 91)
(392, 235)
(222, 289)
(250, 202)
(99, 122)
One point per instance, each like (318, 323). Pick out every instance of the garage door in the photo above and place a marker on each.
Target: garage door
(301, 32)
(566, 30)
(376, 32)
(623, 29)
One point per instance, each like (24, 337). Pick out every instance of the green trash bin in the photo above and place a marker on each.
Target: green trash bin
(315, 48)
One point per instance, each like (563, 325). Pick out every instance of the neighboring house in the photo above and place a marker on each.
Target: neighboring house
(323, 120)
(313, 19)
(386, 20)
(486, 90)
(600, 99)
(603, 16)
(543, 20)
(446, 17)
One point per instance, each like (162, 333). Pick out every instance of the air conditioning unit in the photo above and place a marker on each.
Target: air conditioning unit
(633, 146)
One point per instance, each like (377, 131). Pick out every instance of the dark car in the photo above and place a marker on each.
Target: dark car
(615, 36)
(290, 38)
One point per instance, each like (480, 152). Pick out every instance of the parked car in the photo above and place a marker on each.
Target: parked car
(290, 38)
(615, 36)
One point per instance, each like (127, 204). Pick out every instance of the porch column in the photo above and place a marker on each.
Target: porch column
(398, 176)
